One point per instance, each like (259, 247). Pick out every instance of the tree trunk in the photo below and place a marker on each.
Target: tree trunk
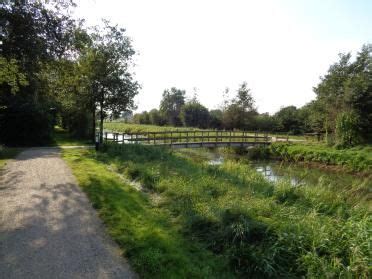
(101, 123)
(94, 124)
(101, 116)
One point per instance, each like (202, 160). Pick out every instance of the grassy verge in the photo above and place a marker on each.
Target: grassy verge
(63, 138)
(7, 153)
(197, 220)
(355, 159)
(148, 233)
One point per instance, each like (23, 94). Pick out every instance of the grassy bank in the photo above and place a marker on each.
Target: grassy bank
(355, 159)
(196, 220)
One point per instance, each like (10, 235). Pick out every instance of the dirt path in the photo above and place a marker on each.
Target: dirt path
(48, 229)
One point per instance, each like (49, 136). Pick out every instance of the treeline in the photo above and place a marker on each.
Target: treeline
(238, 112)
(342, 110)
(54, 70)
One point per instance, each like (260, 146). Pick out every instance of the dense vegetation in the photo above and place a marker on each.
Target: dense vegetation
(190, 219)
(53, 69)
(358, 158)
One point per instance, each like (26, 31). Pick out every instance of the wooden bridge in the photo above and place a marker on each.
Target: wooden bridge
(193, 138)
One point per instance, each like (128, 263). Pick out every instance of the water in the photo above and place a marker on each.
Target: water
(276, 171)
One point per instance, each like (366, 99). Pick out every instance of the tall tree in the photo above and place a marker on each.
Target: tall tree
(109, 82)
(194, 114)
(240, 111)
(171, 104)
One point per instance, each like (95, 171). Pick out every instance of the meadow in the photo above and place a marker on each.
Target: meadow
(176, 217)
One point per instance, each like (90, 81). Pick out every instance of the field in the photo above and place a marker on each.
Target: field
(176, 217)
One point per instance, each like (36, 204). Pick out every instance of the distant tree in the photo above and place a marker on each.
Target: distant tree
(194, 114)
(171, 104)
(156, 117)
(288, 120)
(240, 111)
(215, 119)
(265, 122)
(142, 118)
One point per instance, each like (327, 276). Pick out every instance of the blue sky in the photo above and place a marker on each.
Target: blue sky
(280, 48)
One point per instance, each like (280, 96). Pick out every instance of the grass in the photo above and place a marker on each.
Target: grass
(7, 153)
(357, 159)
(62, 137)
(197, 220)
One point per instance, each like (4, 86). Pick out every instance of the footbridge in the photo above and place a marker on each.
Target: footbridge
(193, 138)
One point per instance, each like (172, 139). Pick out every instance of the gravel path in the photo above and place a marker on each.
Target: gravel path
(48, 228)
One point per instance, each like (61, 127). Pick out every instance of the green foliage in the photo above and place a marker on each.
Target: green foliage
(239, 112)
(10, 75)
(355, 159)
(347, 129)
(194, 114)
(171, 104)
(228, 213)
(289, 120)
(347, 87)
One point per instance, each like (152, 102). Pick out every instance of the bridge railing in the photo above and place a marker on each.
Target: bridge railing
(187, 137)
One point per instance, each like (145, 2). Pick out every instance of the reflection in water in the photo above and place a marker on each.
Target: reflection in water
(270, 174)
(296, 174)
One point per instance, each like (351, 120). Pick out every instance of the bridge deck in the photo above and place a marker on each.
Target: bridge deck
(192, 139)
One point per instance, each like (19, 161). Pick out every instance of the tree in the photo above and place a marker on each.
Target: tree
(171, 104)
(215, 119)
(288, 120)
(347, 87)
(32, 36)
(109, 82)
(141, 118)
(240, 111)
(156, 117)
(194, 114)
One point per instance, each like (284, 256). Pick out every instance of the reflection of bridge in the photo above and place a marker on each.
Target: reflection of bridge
(192, 138)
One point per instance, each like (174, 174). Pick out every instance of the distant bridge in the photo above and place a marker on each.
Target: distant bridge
(193, 138)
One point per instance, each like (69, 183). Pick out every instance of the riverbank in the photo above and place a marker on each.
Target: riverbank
(357, 159)
(178, 217)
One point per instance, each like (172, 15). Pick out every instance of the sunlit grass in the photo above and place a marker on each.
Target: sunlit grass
(62, 137)
(200, 218)
(358, 158)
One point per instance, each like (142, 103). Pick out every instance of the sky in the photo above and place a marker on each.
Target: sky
(279, 47)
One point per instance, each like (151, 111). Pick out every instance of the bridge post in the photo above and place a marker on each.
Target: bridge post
(171, 139)
(148, 137)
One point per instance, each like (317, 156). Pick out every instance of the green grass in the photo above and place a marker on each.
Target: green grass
(358, 158)
(7, 153)
(197, 220)
(62, 137)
